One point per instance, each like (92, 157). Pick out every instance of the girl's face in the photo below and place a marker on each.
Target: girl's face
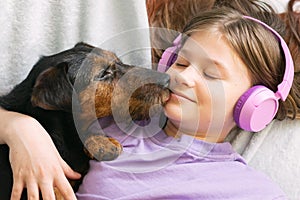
(206, 81)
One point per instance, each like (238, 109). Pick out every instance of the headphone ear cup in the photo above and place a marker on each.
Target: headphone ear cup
(256, 108)
(167, 59)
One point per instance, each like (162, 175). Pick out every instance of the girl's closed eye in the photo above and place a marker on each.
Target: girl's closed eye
(212, 74)
(213, 70)
(180, 64)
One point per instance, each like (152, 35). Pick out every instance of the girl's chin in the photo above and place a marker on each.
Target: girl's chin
(173, 115)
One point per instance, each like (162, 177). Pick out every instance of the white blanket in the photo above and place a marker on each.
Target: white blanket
(275, 151)
(32, 28)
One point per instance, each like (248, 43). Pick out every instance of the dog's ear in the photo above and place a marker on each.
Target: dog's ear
(84, 45)
(53, 89)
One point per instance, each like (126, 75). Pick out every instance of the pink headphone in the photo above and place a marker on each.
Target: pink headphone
(257, 107)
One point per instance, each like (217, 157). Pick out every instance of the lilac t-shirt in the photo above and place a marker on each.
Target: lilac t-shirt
(155, 166)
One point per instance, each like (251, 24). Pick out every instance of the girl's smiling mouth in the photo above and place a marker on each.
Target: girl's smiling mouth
(180, 95)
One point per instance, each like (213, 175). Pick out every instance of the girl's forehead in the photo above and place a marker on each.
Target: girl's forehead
(205, 47)
(199, 41)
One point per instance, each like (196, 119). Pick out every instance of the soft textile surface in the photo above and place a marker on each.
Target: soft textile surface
(278, 5)
(31, 28)
(275, 151)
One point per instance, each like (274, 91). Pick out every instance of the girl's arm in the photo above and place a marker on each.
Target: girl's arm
(35, 162)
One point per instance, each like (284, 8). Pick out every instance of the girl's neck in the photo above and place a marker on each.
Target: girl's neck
(173, 131)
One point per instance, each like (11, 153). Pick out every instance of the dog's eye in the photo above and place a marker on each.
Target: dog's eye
(104, 74)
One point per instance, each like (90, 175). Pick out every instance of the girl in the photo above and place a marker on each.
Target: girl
(223, 56)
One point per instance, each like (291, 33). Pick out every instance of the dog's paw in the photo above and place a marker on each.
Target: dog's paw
(102, 148)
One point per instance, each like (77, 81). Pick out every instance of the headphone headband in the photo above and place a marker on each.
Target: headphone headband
(286, 84)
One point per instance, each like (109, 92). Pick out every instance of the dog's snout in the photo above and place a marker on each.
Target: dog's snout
(147, 76)
(165, 80)
(161, 79)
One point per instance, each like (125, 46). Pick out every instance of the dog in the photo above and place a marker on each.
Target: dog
(67, 91)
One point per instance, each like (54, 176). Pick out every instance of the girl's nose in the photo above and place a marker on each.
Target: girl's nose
(185, 77)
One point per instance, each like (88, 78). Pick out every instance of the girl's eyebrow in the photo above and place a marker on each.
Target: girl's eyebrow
(219, 64)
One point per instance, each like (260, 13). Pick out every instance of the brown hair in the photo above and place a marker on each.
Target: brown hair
(292, 38)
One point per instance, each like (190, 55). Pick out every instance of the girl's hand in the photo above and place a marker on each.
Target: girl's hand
(35, 161)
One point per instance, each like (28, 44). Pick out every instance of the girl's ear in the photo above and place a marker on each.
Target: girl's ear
(52, 89)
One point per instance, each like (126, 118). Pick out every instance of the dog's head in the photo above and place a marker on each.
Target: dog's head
(99, 82)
